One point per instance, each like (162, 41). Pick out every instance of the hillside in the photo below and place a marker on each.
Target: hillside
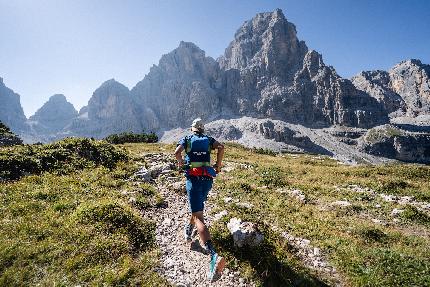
(110, 222)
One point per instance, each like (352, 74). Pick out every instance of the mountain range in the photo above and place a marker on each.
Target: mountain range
(268, 90)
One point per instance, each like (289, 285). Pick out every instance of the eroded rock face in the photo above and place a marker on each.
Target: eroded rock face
(11, 112)
(392, 142)
(270, 73)
(185, 85)
(110, 110)
(404, 90)
(411, 80)
(54, 115)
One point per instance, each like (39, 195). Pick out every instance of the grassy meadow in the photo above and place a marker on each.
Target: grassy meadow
(76, 226)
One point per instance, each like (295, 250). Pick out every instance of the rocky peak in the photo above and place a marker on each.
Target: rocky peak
(187, 61)
(56, 108)
(108, 100)
(411, 80)
(55, 114)
(378, 85)
(267, 41)
(11, 112)
(183, 86)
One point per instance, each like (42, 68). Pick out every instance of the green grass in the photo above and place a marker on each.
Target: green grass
(364, 253)
(80, 226)
(77, 228)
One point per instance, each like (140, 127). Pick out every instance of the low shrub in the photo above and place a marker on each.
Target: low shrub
(112, 217)
(7, 137)
(63, 157)
(129, 137)
(272, 177)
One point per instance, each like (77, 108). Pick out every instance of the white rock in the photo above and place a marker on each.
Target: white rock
(388, 198)
(244, 233)
(227, 199)
(342, 203)
(144, 174)
(244, 205)
(220, 215)
(396, 212)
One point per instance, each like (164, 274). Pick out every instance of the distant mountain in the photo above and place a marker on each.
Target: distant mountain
(186, 84)
(110, 110)
(404, 90)
(11, 112)
(267, 82)
(53, 116)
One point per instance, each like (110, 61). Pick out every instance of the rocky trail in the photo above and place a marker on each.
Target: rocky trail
(182, 264)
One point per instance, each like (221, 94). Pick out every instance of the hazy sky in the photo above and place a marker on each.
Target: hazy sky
(71, 47)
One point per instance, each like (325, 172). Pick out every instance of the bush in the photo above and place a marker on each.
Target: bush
(132, 138)
(63, 156)
(272, 177)
(265, 151)
(112, 217)
(7, 137)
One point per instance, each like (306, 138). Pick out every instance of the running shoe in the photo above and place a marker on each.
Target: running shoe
(216, 266)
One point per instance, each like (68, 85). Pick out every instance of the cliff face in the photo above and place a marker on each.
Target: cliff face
(11, 112)
(54, 115)
(404, 90)
(110, 110)
(183, 86)
(270, 73)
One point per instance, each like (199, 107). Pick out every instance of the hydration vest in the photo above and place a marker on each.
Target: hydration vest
(198, 150)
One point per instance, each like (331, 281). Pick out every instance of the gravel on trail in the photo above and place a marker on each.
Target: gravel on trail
(181, 263)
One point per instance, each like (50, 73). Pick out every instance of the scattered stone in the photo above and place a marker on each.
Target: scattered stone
(178, 186)
(227, 199)
(388, 198)
(341, 203)
(220, 215)
(244, 233)
(246, 205)
(143, 174)
(396, 212)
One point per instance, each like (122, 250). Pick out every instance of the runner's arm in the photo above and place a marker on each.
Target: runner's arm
(219, 156)
(178, 155)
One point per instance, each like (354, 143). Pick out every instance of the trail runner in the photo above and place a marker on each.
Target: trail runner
(199, 179)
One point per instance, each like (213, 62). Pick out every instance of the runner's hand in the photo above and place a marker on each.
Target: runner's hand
(217, 168)
(180, 164)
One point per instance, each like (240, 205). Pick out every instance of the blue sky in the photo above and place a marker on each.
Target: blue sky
(71, 47)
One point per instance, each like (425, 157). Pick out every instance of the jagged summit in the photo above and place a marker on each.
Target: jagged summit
(54, 115)
(112, 83)
(266, 41)
(404, 90)
(11, 112)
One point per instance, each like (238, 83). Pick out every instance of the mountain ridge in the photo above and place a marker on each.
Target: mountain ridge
(266, 72)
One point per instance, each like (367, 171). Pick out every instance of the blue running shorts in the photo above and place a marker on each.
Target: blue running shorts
(198, 188)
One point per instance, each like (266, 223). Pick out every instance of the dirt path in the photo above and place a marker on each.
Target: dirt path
(182, 264)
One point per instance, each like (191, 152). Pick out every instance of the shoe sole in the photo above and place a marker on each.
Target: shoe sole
(220, 265)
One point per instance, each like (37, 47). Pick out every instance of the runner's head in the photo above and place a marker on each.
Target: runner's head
(198, 126)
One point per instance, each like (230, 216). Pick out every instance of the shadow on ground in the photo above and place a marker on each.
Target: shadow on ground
(269, 264)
